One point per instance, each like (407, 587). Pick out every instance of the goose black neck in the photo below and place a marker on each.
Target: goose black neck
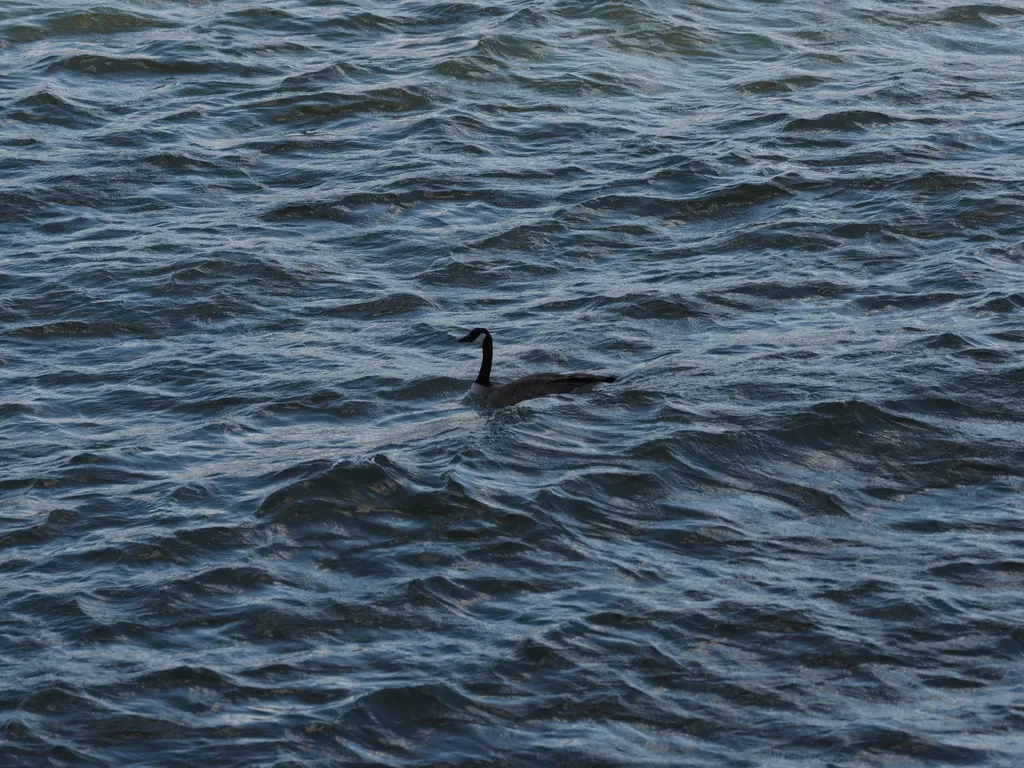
(484, 377)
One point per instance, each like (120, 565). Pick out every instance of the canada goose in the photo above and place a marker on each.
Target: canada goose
(534, 385)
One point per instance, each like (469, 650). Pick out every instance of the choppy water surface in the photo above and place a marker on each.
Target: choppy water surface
(247, 517)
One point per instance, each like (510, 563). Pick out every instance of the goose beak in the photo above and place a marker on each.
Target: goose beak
(466, 337)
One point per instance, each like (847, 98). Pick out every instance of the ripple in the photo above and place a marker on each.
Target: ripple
(247, 508)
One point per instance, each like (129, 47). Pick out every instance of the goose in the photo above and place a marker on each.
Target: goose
(528, 387)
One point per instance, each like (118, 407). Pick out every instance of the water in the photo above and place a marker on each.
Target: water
(247, 517)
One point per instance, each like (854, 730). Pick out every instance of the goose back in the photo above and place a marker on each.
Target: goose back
(542, 385)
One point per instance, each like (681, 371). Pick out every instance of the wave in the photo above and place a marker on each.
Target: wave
(247, 511)
(321, 106)
(343, 207)
(845, 120)
(392, 304)
(634, 305)
(713, 203)
(100, 329)
(96, 65)
(48, 108)
(332, 490)
(1011, 302)
(977, 14)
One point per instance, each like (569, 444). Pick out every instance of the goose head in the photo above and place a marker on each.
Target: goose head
(477, 337)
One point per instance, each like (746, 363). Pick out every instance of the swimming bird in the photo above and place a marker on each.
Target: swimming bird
(528, 387)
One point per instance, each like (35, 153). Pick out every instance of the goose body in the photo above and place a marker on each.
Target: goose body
(528, 387)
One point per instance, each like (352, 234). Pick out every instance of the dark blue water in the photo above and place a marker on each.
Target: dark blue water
(248, 518)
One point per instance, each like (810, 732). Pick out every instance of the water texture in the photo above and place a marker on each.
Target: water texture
(248, 518)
